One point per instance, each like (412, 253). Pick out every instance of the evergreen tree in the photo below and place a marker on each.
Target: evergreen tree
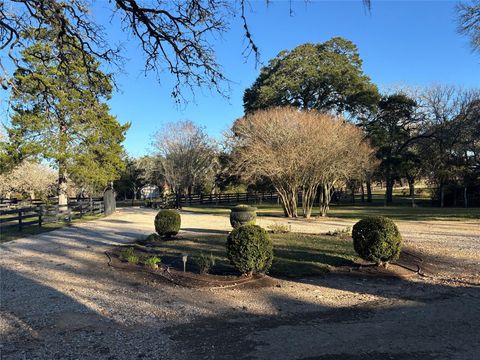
(325, 77)
(60, 114)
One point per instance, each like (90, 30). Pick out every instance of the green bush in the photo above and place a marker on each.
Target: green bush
(205, 262)
(377, 239)
(152, 262)
(242, 215)
(167, 223)
(250, 249)
(132, 259)
(125, 253)
(152, 237)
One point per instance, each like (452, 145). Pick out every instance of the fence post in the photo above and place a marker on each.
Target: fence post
(20, 225)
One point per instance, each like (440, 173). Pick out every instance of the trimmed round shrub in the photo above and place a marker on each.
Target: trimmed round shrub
(243, 215)
(250, 249)
(167, 223)
(377, 239)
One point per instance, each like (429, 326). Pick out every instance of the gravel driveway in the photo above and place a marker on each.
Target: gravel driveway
(60, 300)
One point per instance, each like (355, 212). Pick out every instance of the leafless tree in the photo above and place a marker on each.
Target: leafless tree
(29, 178)
(187, 155)
(299, 151)
(450, 112)
(469, 21)
(174, 35)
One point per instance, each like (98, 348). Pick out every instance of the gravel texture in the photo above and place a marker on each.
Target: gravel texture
(60, 300)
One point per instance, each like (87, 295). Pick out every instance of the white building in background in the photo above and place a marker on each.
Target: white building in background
(150, 192)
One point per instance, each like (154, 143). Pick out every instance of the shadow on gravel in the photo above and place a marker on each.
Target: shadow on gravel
(406, 320)
(390, 318)
(55, 317)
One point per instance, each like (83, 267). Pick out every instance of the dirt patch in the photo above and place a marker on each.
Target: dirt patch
(186, 279)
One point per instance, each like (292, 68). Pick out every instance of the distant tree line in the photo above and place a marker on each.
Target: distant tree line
(315, 123)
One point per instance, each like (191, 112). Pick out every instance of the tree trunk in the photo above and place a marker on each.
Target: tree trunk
(442, 195)
(62, 189)
(455, 191)
(411, 186)
(352, 188)
(288, 199)
(362, 188)
(389, 190)
(309, 194)
(62, 171)
(325, 197)
(369, 191)
(465, 198)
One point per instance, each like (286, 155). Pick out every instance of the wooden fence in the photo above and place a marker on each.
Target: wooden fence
(213, 199)
(41, 214)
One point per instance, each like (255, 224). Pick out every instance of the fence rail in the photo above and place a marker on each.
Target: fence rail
(213, 199)
(41, 214)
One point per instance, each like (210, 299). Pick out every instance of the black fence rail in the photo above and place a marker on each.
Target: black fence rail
(212, 199)
(46, 213)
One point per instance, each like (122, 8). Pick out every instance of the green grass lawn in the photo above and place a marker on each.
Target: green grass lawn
(359, 211)
(295, 255)
(12, 233)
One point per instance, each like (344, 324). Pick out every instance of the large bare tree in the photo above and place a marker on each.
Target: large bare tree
(175, 35)
(299, 151)
(469, 21)
(28, 178)
(187, 155)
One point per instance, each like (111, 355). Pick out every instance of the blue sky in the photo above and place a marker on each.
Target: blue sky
(401, 43)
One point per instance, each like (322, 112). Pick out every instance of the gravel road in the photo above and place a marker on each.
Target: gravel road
(60, 300)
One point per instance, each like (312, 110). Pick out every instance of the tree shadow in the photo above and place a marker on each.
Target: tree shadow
(402, 320)
(327, 317)
(205, 231)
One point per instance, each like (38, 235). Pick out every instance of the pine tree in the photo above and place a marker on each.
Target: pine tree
(60, 114)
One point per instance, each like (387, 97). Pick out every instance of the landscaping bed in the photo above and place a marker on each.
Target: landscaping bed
(296, 255)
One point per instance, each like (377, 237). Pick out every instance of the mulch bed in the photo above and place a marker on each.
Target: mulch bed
(409, 265)
(189, 279)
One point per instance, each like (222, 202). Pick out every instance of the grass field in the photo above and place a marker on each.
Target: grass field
(359, 211)
(295, 255)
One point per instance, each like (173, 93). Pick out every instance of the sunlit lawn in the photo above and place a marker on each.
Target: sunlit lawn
(295, 255)
(400, 210)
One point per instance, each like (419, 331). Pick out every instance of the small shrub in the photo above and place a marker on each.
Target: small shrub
(167, 223)
(125, 253)
(152, 262)
(250, 249)
(277, 228)
(153, 237)
(132, 259)
(340, 232)
(242, 215)
(205, 262)
(377, 239)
